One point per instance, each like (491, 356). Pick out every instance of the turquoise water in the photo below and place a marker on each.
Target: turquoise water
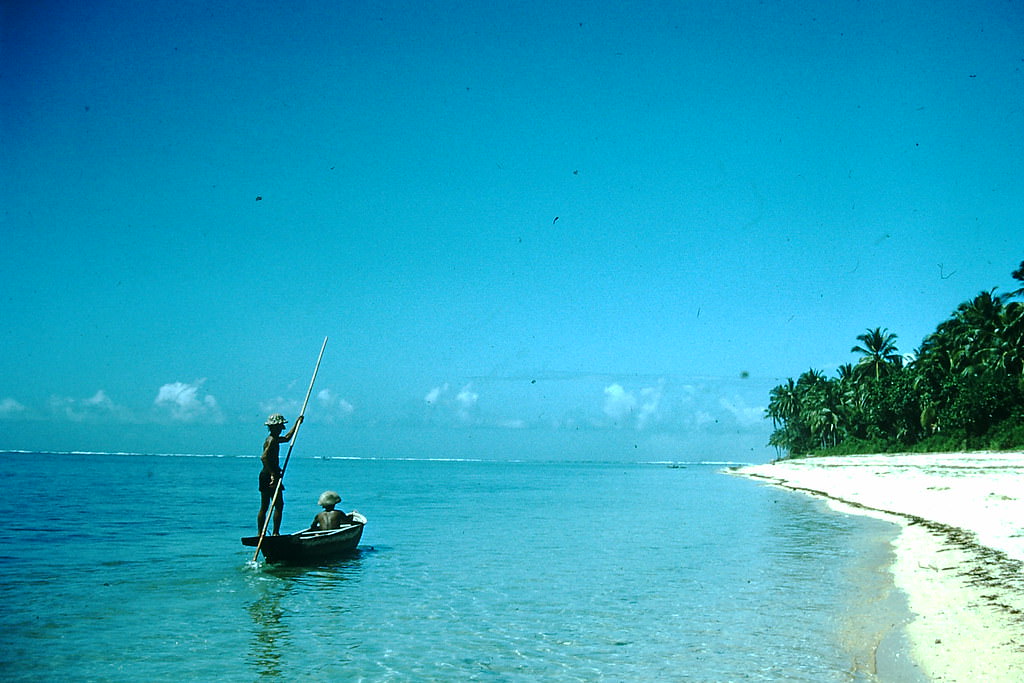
(129, 567)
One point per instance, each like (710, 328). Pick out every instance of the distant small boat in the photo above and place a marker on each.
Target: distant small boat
(311, 547)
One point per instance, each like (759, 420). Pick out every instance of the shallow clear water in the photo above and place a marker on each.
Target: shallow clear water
(121, 568)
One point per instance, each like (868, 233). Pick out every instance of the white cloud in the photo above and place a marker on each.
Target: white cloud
(745, 416)
(651, 397)
(618, 403)
(434, 395)
(186, 403)
(625, 408)
(709, 407)
(100, 400)
(444, 405)
(467, 398)
(332, 407)
(9, 408)
(98, 407)
(286, 406)
(703, 418)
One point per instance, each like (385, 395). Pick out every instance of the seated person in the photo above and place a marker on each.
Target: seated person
(329, 518)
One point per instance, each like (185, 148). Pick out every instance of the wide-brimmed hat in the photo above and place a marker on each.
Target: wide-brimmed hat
(275, 419)
(329, 498)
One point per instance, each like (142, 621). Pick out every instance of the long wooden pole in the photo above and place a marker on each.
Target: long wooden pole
(291, 445)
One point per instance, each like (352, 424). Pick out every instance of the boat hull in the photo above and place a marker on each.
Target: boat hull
(309, 547)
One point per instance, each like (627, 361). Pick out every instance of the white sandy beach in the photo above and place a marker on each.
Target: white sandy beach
(959, 555)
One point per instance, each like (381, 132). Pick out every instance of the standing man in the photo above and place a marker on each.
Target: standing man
(270, 475)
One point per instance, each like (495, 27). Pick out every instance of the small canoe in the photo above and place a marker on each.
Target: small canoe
(310, 547)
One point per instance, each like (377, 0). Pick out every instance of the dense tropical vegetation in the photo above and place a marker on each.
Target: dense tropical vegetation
(963, 389)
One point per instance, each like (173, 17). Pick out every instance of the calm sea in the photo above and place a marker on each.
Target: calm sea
(129, 568)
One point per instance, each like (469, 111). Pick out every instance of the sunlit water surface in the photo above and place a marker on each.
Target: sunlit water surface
(129, 567)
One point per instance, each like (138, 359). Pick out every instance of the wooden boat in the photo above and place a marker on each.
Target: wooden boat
(311, 547)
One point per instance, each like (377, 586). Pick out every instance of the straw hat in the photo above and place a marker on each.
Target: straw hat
(275, 419)
(328, 498)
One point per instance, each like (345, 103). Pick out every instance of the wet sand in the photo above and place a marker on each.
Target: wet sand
(959, 557)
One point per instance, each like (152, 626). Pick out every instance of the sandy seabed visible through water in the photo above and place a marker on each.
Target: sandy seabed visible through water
(467, 570)
(959, 556)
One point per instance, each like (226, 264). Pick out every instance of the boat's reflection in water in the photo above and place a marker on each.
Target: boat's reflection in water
(286, 596)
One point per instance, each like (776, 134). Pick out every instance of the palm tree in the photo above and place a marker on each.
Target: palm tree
(966, 381)
(794, 408)
(941, 351)
(810, 379)
(783, 403)
(819, 408)
(879, 353)
(1012, 333)
(1018, 275)
(850, 400)
(980, 319)
(1013, 324)
(825, 424)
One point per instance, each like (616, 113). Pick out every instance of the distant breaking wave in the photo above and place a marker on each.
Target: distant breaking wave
(439, 459)
(151, 455)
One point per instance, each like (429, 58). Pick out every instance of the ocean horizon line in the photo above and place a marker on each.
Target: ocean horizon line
(438, 459)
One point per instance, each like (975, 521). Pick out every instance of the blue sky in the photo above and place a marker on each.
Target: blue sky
(529, 229)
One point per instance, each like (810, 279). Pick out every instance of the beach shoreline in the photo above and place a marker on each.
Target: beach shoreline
(958, 557)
